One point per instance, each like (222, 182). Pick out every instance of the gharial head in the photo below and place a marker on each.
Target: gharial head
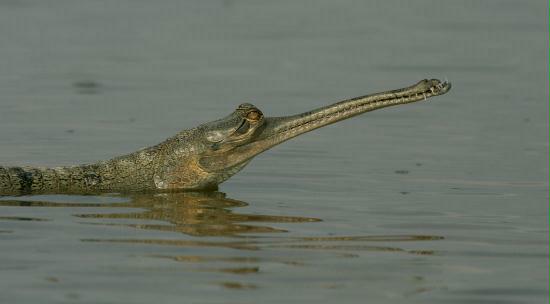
(228, 144)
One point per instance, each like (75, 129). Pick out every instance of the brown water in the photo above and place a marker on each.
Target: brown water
(444, 201)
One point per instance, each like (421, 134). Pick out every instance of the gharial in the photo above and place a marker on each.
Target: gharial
(205, 156)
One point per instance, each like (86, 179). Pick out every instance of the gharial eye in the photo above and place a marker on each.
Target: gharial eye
(254, 115)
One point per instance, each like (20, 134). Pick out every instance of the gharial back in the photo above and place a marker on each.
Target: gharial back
(29, 180)
(136, 172)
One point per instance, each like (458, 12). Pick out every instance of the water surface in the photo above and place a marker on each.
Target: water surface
(444, 201)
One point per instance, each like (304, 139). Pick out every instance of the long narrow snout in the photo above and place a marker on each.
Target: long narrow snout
(283, 128)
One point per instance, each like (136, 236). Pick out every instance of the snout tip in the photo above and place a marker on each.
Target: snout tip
(435, 86)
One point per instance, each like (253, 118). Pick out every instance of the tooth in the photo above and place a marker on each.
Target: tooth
(424, 96)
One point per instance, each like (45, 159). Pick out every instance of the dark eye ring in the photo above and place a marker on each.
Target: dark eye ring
(243, 128)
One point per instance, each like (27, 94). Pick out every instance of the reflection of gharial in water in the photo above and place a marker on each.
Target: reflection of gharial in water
(196, 213)
(204, 214)
(209, 220)
(192, 213)
(205, 156)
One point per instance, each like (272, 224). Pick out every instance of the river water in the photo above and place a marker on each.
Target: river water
(444, 201)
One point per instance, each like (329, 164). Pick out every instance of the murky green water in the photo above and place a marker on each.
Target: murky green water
(444, 201)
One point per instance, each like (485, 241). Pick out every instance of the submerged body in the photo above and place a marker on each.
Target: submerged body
(202, 157)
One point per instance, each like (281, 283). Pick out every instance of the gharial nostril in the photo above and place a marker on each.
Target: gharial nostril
(423, 82)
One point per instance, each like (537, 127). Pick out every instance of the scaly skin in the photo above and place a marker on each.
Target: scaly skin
(203, 157)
